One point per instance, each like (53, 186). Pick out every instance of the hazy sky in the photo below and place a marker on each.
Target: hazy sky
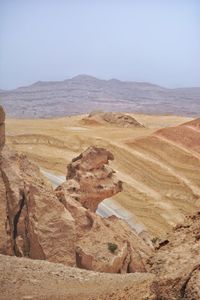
(140, 40)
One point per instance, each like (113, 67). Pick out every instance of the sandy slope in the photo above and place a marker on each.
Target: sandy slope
(161, 171)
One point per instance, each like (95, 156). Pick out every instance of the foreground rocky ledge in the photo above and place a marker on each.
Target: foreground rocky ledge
(22, 278)
(173, 273)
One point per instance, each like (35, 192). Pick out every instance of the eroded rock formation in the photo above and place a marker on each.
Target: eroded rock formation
(90, 180)
(94, 235)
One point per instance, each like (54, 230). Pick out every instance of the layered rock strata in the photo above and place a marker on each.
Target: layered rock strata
(89, 178)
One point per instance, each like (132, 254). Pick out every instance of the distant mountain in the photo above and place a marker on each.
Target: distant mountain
(83, 93)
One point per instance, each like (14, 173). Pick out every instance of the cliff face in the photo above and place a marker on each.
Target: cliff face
(35, 224)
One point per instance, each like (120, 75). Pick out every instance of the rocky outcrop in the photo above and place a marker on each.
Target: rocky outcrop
(32, 222)
(2, 128)
(111, 118)
(176, 262)
(111, 246)
(35, 224)
(90, 180)
(104, 245)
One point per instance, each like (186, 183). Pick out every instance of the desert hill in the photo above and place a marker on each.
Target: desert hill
(160, 169)
(83, 93)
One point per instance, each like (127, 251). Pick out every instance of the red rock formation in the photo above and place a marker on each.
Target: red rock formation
(32, 222)
(90, 180)
(94, 235)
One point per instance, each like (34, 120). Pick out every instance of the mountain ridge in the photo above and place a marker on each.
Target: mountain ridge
(44, 99)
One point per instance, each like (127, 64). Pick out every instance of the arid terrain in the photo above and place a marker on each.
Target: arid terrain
(99, 150)
(82, 94)
(147, 164)
(160, 169)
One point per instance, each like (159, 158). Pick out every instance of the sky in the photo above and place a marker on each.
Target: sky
(155, 41)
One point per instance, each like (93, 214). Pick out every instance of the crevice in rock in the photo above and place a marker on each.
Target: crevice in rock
(15, 222)
(127, 260)
(184, 286)
(78, 260)
(5, 181)
(125, 264)
(162, 244)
